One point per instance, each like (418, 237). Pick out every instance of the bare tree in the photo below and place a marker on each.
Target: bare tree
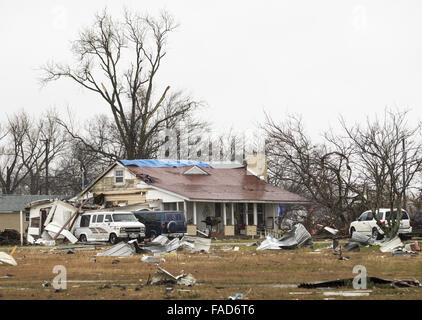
(320, 172)
(119, 61)
(387, 157)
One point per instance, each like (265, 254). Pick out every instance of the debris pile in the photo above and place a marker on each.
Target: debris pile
(9, 237)
(162, 244)
(298, 236)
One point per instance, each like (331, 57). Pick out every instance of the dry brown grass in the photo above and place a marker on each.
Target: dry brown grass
(263, 274)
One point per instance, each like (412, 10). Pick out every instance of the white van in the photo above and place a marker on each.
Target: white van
(367, 224)
(108, 226)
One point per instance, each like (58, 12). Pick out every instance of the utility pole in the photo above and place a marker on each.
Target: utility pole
(47, 145)
(404, 174)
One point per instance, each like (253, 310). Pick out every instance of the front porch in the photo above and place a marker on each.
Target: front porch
(235, 218)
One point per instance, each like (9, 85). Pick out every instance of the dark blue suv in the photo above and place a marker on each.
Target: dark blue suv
(168, 223)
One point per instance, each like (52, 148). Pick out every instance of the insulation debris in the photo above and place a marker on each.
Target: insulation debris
(164, 277)
(298, 236)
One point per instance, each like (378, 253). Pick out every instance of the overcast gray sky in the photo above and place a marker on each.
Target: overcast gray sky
(317, 58)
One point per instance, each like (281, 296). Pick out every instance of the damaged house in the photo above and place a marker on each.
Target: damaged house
(50, 220)
(241, 201)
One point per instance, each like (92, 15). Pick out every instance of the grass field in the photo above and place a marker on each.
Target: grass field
(219, 274)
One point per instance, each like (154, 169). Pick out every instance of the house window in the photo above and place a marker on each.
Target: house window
(27, 216)
(118, 174)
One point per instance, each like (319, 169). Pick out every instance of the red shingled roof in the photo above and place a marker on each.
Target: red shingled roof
(219, 184)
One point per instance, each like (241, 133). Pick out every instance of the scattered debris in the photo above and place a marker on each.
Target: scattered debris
(115, 261)
(404, 252)
(93, 260)
(348, 282)
(252, 244)
(8, 275)
(362, 239)
(46, 284)
(235, 248)
(70, 251)
(152, 259)
(391, 245)
(351, 246)
(161, 244)
(164, 277)
(237, 296)
(412, 246)
(331, 230)
(43, 242)
(122, 249)
(298, 236)
(7, 259)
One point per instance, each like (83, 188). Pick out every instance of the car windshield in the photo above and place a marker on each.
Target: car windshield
(124, 217)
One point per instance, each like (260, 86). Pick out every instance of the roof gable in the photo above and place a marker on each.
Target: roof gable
(195, 170)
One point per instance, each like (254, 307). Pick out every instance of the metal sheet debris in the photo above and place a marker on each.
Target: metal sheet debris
(121, 249)
(56, 228)
(162, 245)
(361, 238)
(391, 245)
(7, 259)
(164, 277)
(298, 236)
(199, 244)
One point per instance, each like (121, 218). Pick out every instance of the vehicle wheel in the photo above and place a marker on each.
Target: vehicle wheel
(171, 226)
(113, 238)
(351, 231)
(82, 238)
(375, 234)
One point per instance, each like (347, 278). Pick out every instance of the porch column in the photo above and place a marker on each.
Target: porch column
(246, 214)
(194, 213)
(185, 209)
(255, 214)
(224, 214)
(232, 213)
(274, 207)
(177, 206)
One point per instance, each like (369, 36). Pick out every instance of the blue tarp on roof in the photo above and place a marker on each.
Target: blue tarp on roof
(160, 163)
